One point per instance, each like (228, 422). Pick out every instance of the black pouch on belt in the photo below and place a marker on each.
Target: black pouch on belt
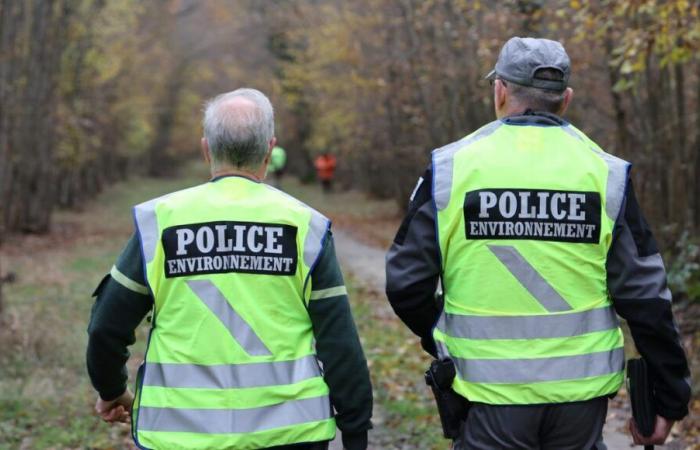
(452, 407)
(641, 391)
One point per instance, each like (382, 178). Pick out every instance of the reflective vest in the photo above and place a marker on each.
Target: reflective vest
(525, 216)
(231, 360)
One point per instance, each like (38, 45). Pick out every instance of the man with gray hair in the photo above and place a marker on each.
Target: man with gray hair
(537, 240)
(252, 343)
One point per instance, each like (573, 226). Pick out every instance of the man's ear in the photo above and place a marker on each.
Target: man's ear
(204, 146)
(270, 146)
(568, 96)
(499, 97)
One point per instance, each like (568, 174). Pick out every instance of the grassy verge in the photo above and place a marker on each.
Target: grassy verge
(371, 220)
(46, 399)
(45, 396)
(408, 418)
(405, 415)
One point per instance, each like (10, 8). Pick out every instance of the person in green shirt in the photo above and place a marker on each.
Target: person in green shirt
(278, 161)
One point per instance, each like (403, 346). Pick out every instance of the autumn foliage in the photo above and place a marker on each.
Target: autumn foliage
(92, 91)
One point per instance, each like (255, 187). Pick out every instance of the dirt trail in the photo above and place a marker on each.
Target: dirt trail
(366, 264)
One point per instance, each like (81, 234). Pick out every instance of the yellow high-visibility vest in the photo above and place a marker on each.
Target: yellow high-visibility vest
(525, 216)
(231, 360)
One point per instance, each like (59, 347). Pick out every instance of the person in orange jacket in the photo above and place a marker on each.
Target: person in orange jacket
(325, 170)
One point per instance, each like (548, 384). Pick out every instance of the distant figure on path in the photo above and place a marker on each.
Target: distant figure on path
(248, 302)
(325, 170)
(537, 240)
(278, 161)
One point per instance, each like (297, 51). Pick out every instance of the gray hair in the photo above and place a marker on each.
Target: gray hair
(239, 134)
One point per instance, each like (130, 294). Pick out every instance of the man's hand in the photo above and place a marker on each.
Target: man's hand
(117, 410)
(662, 428)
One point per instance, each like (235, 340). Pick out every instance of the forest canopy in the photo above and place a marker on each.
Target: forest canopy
(92, 91)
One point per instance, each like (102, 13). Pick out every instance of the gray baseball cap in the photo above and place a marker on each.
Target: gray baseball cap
(521, 58)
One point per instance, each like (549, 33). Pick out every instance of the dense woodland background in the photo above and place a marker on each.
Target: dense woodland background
(93, 91)
(96, 92)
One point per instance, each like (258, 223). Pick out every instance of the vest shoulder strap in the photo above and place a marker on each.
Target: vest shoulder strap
(618, 173)
(146, 223)
(318, 227)
(443, 159)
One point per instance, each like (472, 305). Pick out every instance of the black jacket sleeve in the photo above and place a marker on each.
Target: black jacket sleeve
(413, 265)
(637, 285)
(121, 304)
(339, 350)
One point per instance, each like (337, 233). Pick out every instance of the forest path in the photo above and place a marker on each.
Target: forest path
(46, 400)
(365, 263)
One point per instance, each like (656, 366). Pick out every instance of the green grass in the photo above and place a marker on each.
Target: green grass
(405, 412)
(374, 221)
(351, 203)
(405, 415)
(46, 400)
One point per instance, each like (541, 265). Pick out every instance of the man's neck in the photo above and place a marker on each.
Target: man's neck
(531, 117)
(230, 171)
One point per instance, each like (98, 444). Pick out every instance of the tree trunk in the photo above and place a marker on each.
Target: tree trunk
(159, 163)
(28, 190)
(422, 94)
(696, 184)
(11, 20)
(680, 197)
(622, 137)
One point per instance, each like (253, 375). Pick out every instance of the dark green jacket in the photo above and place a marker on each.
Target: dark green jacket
(123, 300)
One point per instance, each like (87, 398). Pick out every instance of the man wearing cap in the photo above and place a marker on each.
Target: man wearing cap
(537, 240)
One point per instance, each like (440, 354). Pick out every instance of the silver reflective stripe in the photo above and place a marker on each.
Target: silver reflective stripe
(538, 287)
(617, 181)
(415, 189)
(540, 369)
(617, 176)
(147, 224)
(442, 350)
(327, 293)
(314, 237)
(210, 421)
(528, 327)
(441, 347)
(222, 309)
(443, 160)
(231, 376)
(318, 225)
(569, 129)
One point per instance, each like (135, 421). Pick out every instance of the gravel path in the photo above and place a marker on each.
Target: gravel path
(366, 264)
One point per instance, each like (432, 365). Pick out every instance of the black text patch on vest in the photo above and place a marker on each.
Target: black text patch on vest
(543, 215)
(222, 247)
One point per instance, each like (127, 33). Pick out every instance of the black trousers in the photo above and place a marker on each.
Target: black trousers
(565, 426)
